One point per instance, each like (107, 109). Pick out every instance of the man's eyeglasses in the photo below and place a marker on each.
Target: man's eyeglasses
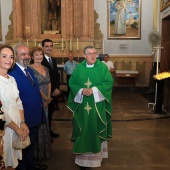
(91, 54)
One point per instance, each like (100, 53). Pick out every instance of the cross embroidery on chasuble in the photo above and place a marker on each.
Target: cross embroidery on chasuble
(88, 83)
(87, 107)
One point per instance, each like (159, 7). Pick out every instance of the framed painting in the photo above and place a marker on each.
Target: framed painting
(124, 19)
(164, 4)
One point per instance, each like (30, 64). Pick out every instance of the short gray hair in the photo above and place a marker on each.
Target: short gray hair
(15, 47)
(88, 47)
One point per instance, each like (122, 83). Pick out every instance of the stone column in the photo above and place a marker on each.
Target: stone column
(32, 18)
(63, 21)
(18, 19)
(67, 22)
(27, 18)
(88, 19)
(91, 18)
(71, 17)
(78, 21)
(35, 16)
(85, 25)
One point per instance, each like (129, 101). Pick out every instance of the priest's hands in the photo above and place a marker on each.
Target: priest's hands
(87, 91)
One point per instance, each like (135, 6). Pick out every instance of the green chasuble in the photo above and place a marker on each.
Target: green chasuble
(91, 121)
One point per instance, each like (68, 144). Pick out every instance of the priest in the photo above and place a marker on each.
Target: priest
(90, 101)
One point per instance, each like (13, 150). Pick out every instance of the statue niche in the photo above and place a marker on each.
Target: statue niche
(54, 13)
(33, 20)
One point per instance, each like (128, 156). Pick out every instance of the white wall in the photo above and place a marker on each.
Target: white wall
(140, 47)
(6, 8)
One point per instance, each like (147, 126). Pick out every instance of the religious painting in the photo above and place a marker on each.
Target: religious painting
(0, 24)
(164, 4)
(124, 19)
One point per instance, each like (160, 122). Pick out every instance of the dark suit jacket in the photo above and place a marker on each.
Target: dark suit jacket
(53, 72)
(30, 96)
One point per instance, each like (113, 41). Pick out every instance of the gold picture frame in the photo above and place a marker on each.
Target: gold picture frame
(164, 4)
(124, 19)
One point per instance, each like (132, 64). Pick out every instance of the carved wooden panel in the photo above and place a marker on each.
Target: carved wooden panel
(141, 63)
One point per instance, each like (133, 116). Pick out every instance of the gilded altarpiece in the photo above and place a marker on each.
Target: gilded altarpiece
(30, 18)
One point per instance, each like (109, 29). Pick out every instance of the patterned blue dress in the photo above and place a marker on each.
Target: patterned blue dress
(43, 147)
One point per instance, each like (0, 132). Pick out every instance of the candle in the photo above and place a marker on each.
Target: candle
(77, 44)
(62, 45)
(70, 45)
(103, 46)
(39, 45)
(27, 42)
(35, 42)
(20, 41)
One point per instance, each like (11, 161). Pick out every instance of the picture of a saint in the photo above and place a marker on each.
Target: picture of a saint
(120, 20)
(124, 18)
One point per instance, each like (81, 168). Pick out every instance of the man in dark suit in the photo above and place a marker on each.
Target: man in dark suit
(32, 102)
(50, 63)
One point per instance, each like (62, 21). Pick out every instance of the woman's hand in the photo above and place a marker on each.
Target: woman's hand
(20, 133)
(24, 127)
(45, 104)
(48, 99)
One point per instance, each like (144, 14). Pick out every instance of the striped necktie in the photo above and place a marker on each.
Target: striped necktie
(50, 61)
(29, 76)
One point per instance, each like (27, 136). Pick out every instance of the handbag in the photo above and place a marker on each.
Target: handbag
(18, 144)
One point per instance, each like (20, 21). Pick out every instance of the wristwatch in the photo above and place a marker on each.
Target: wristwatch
(23, 122)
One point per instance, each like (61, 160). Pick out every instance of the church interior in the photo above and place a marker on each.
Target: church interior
(141, 91)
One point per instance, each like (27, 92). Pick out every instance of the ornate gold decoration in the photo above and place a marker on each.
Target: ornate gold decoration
(88, 108)
(97, 32)
(9, 35)
(88, 83)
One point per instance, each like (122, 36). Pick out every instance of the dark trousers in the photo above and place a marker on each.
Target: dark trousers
(28, 154)
(50, 111)
(68, 88)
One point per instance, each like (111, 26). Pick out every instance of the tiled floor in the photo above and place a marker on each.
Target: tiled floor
(141, 139)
